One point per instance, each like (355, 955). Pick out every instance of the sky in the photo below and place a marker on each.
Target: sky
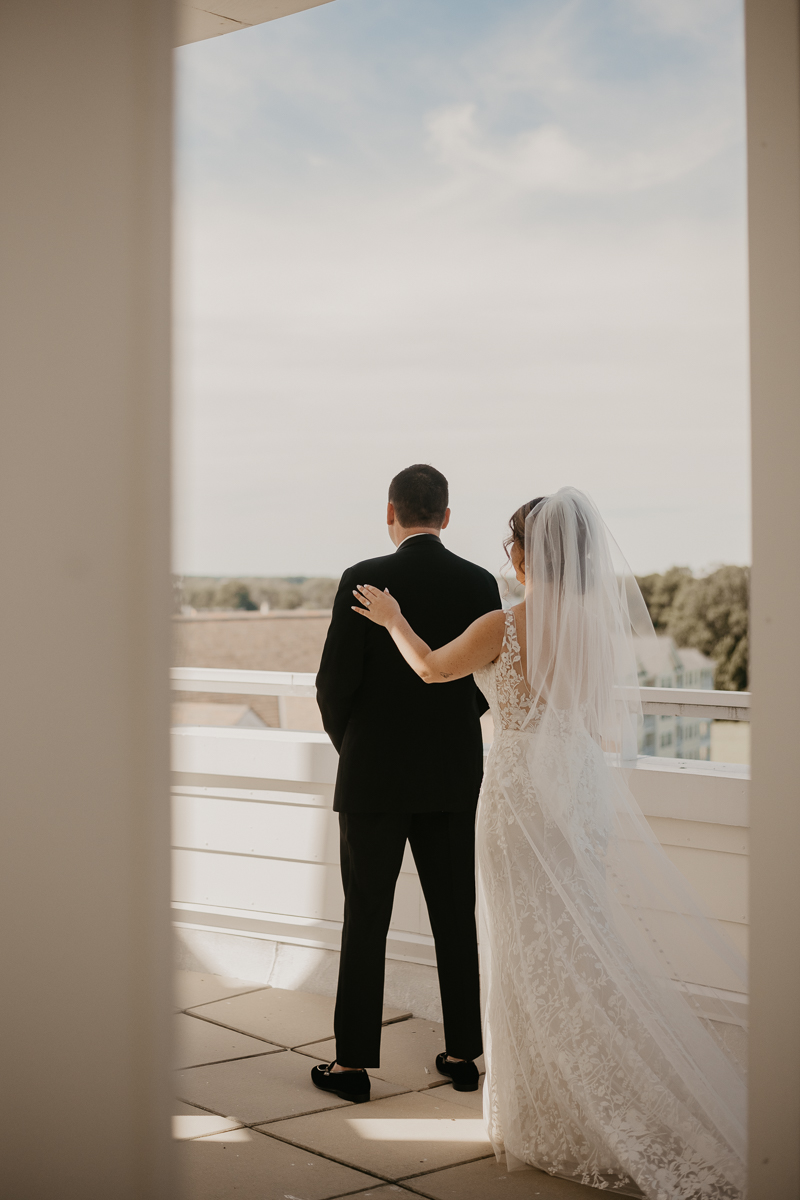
(506, 237)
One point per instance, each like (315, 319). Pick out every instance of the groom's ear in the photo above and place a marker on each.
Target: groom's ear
(446, 520)
(390, 514)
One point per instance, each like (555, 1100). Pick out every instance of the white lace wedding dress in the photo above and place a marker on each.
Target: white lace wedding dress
(603, 1066)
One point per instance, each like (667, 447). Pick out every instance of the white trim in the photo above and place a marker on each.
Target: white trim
(243, 683)
(316, 933)
(686, 702)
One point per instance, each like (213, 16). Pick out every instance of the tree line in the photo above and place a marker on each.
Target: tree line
(709, 612)
(249, 593)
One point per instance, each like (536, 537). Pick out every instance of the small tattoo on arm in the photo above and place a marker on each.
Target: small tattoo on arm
(446, 674)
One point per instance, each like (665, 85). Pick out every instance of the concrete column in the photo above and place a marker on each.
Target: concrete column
(85, 132)
(773, 103)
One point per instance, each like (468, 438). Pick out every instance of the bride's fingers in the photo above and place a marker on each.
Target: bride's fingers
(370, 596)
(366, 602)
(362, 612)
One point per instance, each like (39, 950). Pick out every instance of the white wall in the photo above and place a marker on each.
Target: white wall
(773, 103)
(256, 842)
(85, 131)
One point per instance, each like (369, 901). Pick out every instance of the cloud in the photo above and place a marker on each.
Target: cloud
(546, 159)
(512, 244)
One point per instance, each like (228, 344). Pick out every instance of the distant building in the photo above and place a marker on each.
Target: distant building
(663, 664)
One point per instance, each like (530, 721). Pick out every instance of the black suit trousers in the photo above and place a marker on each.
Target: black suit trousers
(372, 847)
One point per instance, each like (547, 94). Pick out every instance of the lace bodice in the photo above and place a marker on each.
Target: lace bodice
(504, 686)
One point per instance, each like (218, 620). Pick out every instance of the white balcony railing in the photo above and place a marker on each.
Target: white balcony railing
(256, 843)
(243, 683)
(688, 702)
(681, 702)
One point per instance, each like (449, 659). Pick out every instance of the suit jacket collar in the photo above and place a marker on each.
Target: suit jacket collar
(419, 539)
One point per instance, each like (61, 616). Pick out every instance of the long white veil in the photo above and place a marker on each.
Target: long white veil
(640, 958)
(583, 608)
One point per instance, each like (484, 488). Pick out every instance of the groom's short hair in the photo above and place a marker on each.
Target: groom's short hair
(420, 496)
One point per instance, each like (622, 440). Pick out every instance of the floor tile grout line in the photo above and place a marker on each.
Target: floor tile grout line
(211, 1112)
(199, 1137)
(234, 1029)
(214, 1062)
(436, 1170)
(403, 1181)
(311, 1112)
(257, 1036)
(254, 1125)
(262, 987)
(404, 1091)
(266, 1129)
(413, 1191)
(275, 1048)
(329, 1157)
(331, 1037)
(435, 1082)
(396, 1180)
(359, 1192)
(344, 1195)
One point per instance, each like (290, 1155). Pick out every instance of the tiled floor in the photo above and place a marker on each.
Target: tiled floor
(252, 1125)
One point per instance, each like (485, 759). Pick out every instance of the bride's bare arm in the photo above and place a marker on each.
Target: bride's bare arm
(475, 647)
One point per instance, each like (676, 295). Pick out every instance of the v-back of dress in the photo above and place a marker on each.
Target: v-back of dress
(588, 1075)
(503, 683)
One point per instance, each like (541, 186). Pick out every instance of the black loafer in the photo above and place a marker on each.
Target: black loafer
(347, 1085)
(464, 1075)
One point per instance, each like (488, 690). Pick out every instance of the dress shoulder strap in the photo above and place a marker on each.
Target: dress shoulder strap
(510, 639)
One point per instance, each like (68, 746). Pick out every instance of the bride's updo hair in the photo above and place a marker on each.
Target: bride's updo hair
(517, 537)
(517, 526)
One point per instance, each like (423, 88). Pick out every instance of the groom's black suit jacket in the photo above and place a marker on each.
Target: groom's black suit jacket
(405, 746)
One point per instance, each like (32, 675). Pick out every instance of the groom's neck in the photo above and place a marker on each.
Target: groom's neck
(399, 533)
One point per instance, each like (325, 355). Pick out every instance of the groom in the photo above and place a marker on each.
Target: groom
(410, 767)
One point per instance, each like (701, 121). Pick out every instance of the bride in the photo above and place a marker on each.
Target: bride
(608, 1061)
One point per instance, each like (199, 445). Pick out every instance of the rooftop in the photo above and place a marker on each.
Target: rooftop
(252, 1124)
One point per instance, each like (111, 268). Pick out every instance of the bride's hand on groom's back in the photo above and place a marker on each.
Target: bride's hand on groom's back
(377, 606)
(478, 645)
